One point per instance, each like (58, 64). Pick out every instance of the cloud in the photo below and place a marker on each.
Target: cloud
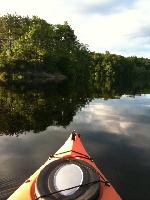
(143, 31)
(141, 36)
(100, 7)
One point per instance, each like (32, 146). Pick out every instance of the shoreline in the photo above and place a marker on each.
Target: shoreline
(57, 76)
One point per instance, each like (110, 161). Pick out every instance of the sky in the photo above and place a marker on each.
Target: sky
(119, 26)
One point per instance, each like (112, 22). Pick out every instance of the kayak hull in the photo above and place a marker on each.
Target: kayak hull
(72, 148)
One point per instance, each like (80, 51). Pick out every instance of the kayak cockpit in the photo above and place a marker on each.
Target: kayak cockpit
(68, 179)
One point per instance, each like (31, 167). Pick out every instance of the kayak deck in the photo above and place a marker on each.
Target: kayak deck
(74, 151)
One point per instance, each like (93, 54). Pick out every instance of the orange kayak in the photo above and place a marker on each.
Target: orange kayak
(68, 174)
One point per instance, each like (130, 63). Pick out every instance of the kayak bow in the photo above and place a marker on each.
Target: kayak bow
(68, 174)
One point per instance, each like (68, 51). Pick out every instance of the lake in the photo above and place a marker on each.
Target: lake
(36, 119)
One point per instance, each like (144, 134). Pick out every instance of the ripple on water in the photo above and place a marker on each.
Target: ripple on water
(131, 184)
(10, 182)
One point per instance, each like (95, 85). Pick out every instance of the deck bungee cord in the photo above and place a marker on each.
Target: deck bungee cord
(80, 156)
(45, 195)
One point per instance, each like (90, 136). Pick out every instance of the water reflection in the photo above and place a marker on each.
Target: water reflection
(127, 117)
(115, 133)
(29, 106)
(117, 116)
(114, 127)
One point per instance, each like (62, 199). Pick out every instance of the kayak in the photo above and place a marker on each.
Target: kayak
(68, 174)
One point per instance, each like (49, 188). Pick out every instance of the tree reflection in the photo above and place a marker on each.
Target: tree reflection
(30, 106)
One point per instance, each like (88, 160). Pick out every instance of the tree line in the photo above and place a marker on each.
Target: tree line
(117, 66)
(32, 45)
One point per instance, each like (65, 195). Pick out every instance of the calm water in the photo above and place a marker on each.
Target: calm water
(115, 132)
